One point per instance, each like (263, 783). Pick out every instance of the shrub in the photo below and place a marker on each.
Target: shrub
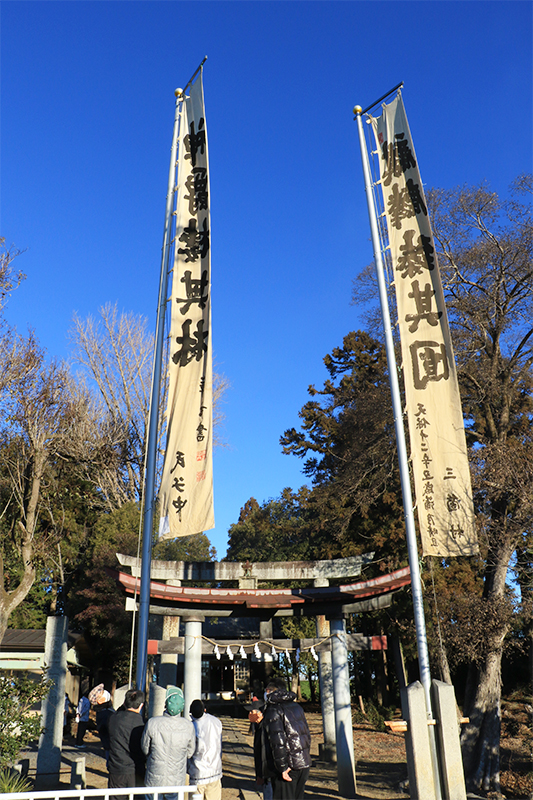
(20, 724)
(11, 781)
(374, 715)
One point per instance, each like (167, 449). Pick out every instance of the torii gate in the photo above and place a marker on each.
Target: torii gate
(328, 604)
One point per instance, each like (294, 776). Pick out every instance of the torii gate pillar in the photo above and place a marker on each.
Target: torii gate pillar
(192, 677)
(326, 749)
(343, 710)
(168, 668)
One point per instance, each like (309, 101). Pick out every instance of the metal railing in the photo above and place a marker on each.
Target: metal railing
(155, 792)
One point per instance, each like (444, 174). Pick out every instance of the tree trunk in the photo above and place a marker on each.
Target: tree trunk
(382, 678)
(10, 600)
(480, 740)
(294, 682)
(312, 687)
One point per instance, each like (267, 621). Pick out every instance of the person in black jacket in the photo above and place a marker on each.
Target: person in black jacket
(285, 743)
(126, 758)
(104, 709)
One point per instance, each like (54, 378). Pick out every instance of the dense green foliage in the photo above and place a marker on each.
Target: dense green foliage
(185, 548)
(20, 720)
(276, 531)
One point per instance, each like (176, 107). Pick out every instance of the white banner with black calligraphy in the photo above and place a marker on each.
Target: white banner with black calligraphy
(438, 446)
(187, 484)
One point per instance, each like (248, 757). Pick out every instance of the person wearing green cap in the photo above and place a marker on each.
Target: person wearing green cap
(168, 742)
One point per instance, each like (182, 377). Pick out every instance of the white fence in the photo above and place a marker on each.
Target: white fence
(157, 793)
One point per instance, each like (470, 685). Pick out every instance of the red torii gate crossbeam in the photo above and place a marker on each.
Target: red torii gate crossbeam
(195, 597)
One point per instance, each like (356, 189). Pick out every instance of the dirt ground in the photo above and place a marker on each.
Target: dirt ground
(517, 749)
(380, 759)
(380, 763)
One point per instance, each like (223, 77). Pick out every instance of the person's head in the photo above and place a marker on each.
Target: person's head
(197, 709)
(134, 699)
(276, 685)
(175, 701)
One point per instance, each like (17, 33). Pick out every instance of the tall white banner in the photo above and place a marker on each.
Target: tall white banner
(436, 429)
(187, 484)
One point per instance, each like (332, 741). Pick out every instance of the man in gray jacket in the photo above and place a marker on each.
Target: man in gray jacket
(168, 742)
(205, 766)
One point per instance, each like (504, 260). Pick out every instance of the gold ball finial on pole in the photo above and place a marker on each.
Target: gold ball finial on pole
(357, 110)
(178, 92)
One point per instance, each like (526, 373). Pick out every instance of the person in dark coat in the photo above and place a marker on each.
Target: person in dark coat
(82, 718)
(256, 717)
(104, 709)
(285, 743)
(126, 758)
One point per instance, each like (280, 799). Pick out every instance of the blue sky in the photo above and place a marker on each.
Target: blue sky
(87, 110)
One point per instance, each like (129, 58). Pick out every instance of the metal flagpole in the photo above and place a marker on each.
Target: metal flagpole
(204, 59)
(383, 96)
(153, 420)
(420, 623)
(416, 585)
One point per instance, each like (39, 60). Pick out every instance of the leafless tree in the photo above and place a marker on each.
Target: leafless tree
(485, 259)
(116, 353)
(9, 278)
(39, 414)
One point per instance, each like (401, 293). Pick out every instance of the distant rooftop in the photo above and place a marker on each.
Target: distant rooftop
(25, 641)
